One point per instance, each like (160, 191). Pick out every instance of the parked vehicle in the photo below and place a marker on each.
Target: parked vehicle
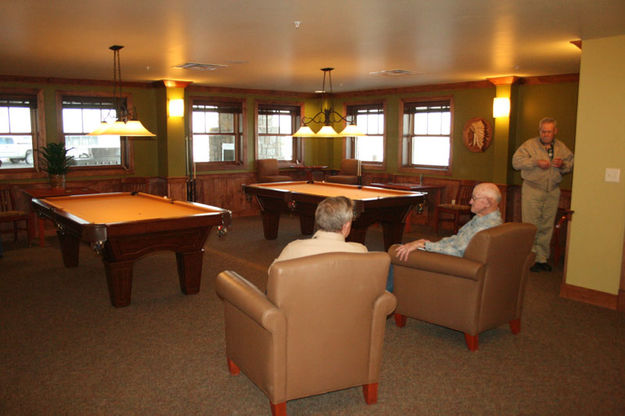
(16, 150)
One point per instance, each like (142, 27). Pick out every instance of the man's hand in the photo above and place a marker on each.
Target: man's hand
(405, 249)
(556, 163)
(543, 164)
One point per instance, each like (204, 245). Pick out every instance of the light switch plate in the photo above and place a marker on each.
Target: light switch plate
(612, 175)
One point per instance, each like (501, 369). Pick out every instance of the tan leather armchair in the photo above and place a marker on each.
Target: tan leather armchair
(319, 328)
(471, 294)
(348, 173)
(268, 171)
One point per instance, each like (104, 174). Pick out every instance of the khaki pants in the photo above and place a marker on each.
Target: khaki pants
(540, 208)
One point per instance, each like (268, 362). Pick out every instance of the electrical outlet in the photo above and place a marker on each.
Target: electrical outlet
(612, 175)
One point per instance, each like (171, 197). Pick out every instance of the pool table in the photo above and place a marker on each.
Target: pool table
(388, 207)
(124, 226)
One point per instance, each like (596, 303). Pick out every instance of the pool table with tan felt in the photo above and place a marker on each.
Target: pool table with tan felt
(123, 227)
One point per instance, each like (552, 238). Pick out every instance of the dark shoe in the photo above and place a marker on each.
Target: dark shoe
(540, 267)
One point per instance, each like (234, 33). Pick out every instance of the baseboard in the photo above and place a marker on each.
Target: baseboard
(621, 301)
(593, 297)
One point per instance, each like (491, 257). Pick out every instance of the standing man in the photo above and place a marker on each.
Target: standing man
(542, 161)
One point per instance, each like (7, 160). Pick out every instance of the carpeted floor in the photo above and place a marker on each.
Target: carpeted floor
(64, 350)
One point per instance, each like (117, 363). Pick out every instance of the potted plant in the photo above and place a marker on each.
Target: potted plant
(56, 162)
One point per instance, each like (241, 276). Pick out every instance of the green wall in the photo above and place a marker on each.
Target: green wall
(160, 156)
(596, 243)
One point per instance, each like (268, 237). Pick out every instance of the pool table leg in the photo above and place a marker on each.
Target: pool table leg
(392, 232)
(271, 221)
(190, 271)
(119, 279)
(70, 247)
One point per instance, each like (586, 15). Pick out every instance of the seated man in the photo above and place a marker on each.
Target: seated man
(333, 219)
(485, 206)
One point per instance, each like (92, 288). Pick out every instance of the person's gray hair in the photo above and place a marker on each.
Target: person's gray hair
(545, 120)
(332, 213)
(490, 190)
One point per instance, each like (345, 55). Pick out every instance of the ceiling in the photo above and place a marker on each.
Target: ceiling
(261, 46)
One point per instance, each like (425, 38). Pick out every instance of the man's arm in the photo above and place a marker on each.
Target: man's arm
(522, 158)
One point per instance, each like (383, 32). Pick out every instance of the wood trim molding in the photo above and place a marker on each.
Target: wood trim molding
(621, 292)
(590, 296)
(509, 80)
(549, 79)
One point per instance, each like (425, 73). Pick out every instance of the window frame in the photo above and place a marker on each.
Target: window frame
(298, 147)
(349, 145)
(38, 132)
(402, 150)
(240, 137)
(127, 162)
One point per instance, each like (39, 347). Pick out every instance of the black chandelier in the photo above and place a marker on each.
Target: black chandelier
(327, 116)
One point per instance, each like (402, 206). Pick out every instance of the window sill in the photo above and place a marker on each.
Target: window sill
(426, 170)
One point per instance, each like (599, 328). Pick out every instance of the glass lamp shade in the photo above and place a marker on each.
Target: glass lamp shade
(131, 128)
(327, 131)
(501, 107)
(304, 131)
(352, 130)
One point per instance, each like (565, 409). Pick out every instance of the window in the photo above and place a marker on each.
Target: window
(370, 119)
(426, 140)
(83, 114)
(217, 128)
(18, 130)
(275, 126)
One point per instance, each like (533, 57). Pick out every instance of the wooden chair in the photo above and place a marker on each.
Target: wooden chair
(459, 208)
(9, 214)
(133, 184)
(560, 230)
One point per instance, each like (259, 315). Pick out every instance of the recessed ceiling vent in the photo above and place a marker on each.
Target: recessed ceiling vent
(193, 66)
(393, 73)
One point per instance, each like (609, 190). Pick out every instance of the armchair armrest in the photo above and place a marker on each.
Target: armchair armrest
(439, 263)
(246, 297)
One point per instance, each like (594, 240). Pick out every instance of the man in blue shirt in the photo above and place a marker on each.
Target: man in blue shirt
(484, 204)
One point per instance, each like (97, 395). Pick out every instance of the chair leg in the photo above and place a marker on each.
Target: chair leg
(515, 326)
(471, 341)
(233, 368)
(371, 393)
(278, 409)
(400, 320)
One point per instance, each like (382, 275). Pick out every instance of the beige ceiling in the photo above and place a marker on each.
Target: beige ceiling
(259, 45)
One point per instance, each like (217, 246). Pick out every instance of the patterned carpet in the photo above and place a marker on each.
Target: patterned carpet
(64, 350)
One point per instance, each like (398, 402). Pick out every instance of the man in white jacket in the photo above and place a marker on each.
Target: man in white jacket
(333, 218)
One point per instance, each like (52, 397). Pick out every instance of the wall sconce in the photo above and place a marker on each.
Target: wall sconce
(501, 107)
(176, 107)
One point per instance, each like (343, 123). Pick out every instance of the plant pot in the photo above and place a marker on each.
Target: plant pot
(57, 181)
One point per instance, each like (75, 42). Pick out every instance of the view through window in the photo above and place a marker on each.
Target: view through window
(17, 131)
(217, 131)
(82, 115)
(276, 125)
(427, 134)
(370, 119)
